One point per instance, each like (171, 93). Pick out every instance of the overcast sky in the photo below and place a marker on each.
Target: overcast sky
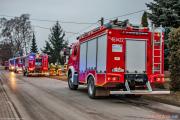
(88, 11)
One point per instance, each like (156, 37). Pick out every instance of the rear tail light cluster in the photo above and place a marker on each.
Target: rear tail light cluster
(112, 78)
(31, 69)
(159, 79)
(45, 68)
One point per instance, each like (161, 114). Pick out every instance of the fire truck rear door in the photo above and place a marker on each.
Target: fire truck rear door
(135, 55)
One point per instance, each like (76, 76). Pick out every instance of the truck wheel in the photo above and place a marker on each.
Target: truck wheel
(27, 75)
(24, 73)
(91, 88)
(70, 83)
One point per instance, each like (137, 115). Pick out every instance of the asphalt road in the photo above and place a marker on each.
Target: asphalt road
(41, 98)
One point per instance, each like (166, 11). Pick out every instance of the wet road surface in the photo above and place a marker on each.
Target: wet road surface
(41, 98)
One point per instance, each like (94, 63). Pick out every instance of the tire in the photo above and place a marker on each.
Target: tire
(91, 88)
(26, 74)
(70, 84)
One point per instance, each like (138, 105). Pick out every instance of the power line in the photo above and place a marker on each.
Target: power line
(78, 33)
(41, 27)
(50, 29)
(66, 22)
(127, 14)
(72, 22)
(87, 27)
(45, 20)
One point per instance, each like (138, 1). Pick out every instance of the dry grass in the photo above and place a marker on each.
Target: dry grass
(173, 98)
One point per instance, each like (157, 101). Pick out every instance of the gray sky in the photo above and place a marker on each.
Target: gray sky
(71, 10)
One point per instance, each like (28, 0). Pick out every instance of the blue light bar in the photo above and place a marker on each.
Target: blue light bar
(31, 57)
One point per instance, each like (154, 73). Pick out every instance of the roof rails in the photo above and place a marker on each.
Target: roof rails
(113, 24)
(110, 24)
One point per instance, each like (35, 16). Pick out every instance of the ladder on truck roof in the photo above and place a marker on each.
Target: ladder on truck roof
(154, 45)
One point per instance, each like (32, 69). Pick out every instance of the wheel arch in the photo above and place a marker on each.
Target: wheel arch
(90, 75)
(71, 70)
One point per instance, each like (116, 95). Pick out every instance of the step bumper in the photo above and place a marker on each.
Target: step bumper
(139, 92)
(46, 74)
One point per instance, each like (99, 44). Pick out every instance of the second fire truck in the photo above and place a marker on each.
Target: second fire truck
(35, 64)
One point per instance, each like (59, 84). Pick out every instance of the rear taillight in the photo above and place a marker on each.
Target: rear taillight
(159, 79)
(31, 69)
(162, 79)
(112, 78)
(109, 78)
(45, 68)
(115, 78)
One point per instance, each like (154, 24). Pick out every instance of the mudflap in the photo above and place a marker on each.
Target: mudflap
(75, 79)
(102, 92)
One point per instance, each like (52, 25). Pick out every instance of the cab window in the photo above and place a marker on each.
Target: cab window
(70, 52)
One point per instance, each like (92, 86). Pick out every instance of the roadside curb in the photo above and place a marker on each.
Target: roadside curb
(11, 105)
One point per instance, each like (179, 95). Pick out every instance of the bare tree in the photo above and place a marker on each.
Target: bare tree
(5, 51)
(17, 31)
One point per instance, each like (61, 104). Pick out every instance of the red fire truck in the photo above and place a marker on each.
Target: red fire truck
(12, 64)
(18, 65)
(117, 58)
(35, 64)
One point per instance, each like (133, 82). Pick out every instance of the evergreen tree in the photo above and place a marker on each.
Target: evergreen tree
(174, 59)
(49, 51)
(144, 20)
(166, 49)
(165, 13)
(34, 48)
(56, 44)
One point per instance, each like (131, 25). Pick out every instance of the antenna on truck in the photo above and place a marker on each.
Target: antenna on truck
(110, 24)
(101, 21)
(117, 23)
